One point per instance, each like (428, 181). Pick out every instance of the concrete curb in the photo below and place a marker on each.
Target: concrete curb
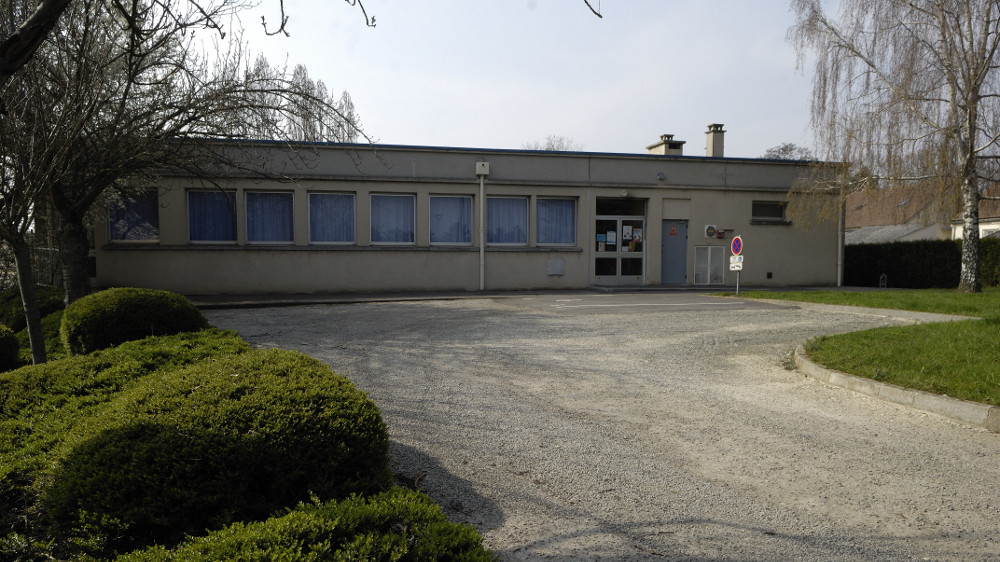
(970, 413)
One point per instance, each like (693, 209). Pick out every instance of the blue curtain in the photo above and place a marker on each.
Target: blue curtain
(331, 217)
(212, 216)
(392, 218)
(507, 220)
(138, 218)
(269, 217)
(556, 221)
(451, 220)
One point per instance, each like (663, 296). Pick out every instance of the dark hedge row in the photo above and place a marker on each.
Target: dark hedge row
(920, 264)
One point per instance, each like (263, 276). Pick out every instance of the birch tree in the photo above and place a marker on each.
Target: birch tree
(908, 91)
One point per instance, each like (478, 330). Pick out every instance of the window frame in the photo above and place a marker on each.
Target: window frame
(527, 220)
(769, 219)
(247, 194)
(124, 208)
(413, 218)
(231, 195)
(538, 218)
(354, 218)
(470, 219)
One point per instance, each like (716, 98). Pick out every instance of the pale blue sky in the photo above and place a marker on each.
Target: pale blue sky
(501, 73)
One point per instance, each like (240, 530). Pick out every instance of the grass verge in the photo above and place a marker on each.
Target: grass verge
(943, 301)
(954, 358)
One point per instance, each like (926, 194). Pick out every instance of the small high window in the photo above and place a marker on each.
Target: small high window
(768, 212)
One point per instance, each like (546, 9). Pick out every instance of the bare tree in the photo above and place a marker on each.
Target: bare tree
(554, 142)
(21, 43)
(909, 91)
(788, 151)
(27, 165)
(120, 93)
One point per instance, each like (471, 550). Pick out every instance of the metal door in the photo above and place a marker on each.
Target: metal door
(673, 253)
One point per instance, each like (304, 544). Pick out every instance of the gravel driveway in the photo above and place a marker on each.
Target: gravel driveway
(597, 427)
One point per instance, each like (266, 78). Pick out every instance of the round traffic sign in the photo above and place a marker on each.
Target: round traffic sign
(737, 245)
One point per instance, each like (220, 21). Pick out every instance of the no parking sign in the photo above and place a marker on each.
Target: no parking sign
(737, 245)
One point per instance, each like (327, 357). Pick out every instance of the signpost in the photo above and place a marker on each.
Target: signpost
(736, 260)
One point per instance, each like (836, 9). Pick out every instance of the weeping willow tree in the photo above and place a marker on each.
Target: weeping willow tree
(907, 93)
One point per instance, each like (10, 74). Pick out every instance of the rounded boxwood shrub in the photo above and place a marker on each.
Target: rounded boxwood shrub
(397, 525)
(9, 349)
(235, 439)
(115, 316)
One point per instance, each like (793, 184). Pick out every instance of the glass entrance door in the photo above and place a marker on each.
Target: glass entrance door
(620, 250)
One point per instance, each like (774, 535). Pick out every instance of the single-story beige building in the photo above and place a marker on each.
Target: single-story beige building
(346, 218)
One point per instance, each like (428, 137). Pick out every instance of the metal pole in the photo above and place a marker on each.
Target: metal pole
(738, 282)
(482, 233)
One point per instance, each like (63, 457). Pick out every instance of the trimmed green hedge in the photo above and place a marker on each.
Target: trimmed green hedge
(115, 316)
(218, 442)
(397, 525)
(42, 405)
(9, 349)
(144, 445)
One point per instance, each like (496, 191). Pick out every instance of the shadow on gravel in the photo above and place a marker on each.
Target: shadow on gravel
(415, 469)
(716, 540)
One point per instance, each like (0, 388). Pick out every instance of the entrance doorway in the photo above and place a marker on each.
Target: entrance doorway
(673, 253)
(620, 242)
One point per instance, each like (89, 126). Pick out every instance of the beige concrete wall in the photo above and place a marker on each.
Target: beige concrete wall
(317, 270)
(700, 190)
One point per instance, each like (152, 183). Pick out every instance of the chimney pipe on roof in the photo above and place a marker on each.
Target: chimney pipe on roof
(667, 146)
(714, 145)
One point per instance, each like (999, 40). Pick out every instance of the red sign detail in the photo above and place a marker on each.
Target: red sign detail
(737, 245)
(673, 231)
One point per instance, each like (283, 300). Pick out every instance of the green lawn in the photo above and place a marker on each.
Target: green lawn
(945, 301)
(960, 359)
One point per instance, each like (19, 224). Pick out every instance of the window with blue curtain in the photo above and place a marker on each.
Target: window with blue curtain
(212, 216)
(137, 218)
(556, 220)
(393, 218)
(507, 220)
(451, 220)
(331, 217)
(269, 216)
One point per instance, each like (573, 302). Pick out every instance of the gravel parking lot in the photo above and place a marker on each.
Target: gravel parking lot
(661, 426)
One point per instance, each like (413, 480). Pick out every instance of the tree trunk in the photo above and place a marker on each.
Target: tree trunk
(16, 50)
(969, 282)
(32, 314)
(74, 255)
